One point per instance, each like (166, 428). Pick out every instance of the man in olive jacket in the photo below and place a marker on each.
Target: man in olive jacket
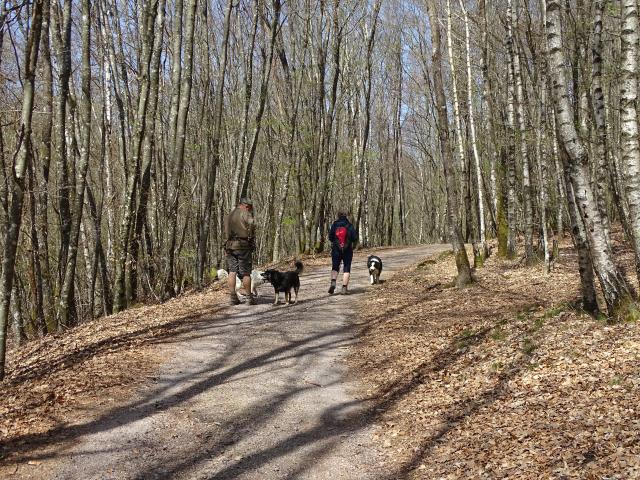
(240, 231)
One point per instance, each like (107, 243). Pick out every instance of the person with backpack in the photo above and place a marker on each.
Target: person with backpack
(240, 231)
(343, 238)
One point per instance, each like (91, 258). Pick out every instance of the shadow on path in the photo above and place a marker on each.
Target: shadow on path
(310, 442)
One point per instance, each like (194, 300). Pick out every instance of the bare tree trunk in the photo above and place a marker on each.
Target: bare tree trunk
(176, 69)
(18, 317)
(560, 185)
(107, 119)
(498, 172)
(295, 98)
(17, 184)
(511, 165)
(264, 85)
(397, 146)
(43, 171)
(36, 269)
(326, 157)
(597, 94)
(120, 290)
(484, 250)
(630, 147)
(524, 153)
(214, 162)
(462, 161)
(99, 254)
(579, 236)
(275, 253)
(541, 156)
(147, 151)
(64, 189)
(462, 261)
(362, 208)
(66, 308)
(178, 148)
(617, 293)
(248, 90)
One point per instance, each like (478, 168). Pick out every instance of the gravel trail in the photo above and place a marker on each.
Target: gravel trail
(261, 393)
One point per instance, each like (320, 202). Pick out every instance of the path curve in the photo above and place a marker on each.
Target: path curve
(262, 393)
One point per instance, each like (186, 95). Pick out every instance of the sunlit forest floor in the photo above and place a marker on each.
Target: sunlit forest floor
(503, 379)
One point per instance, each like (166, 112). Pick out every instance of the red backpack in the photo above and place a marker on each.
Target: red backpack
(342, 237)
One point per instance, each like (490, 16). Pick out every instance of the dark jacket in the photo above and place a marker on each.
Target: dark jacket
(240, 230)
(352, 235)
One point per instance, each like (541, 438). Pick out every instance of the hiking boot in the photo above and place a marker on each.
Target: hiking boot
(251, 300)
(332, 288)
(234, 300)
(344, 290)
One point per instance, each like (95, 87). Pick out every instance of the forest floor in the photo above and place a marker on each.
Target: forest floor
(408, 379)
(503, 379)
(195, 389)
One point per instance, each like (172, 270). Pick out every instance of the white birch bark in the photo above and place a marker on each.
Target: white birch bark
(616, 291)
(456, 102)
(560, 185)
(108, 116)
(542, 171)
(597, 94)
(630, 145)
(522, 130)
(472, 127)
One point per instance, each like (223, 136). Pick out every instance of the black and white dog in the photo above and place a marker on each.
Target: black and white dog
(284, 282)
(374, 264)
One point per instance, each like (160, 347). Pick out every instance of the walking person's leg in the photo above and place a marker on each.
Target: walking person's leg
(335, 268)
(244, 268)
(347, 259)
(232, 265)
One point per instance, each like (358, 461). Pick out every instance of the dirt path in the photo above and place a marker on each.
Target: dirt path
(260, 393)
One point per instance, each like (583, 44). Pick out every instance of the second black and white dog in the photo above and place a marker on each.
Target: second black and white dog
(284, 282)
(374, 264)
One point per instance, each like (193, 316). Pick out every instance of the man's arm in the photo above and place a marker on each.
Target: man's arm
(332, 233)
(227, 230)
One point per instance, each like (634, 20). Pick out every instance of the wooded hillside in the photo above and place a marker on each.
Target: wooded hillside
(129, 128)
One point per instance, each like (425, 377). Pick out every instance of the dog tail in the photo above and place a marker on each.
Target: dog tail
(299, 266)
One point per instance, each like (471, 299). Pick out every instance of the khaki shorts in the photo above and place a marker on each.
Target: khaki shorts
(239, 261)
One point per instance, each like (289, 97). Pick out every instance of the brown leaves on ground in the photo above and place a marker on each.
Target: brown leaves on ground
(62, 377)
(58, 379)
(503, 379)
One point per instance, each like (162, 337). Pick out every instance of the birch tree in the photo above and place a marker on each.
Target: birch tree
(522, 132)
(630, 148)
(457, 242)
(617, 292)
(484, 250)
